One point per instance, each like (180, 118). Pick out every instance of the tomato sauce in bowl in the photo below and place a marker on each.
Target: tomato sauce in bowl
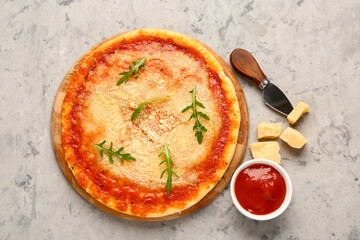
(260, 189)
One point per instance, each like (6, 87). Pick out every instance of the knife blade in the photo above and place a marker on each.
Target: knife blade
(243, 62)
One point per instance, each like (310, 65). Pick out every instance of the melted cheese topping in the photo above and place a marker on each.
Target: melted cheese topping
(109, 107)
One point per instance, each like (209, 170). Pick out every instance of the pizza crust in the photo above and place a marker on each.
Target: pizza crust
(92, 126)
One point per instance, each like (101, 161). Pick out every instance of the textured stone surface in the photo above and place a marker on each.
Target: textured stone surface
(311, 49)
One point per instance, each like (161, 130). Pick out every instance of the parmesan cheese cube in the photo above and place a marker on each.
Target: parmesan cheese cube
(297, 112)
(268, 130)
(268, 150)
(293, 138)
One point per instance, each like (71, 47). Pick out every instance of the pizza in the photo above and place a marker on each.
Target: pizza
(149, 123)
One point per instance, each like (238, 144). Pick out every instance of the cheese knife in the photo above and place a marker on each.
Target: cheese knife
(243, 62)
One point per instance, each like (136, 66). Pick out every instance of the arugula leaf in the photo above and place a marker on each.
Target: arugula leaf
(110, 152)
(169, 163)
(198, 126)
(132, 69)
(140, 107)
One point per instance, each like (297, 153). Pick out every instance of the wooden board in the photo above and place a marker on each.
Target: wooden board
(224, 181)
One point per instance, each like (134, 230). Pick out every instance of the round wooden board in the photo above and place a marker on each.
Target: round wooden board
(224, 181)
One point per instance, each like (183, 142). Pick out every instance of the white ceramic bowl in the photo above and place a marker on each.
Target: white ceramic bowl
(288, 194)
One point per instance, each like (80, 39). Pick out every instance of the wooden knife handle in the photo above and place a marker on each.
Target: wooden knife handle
(243, 62)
